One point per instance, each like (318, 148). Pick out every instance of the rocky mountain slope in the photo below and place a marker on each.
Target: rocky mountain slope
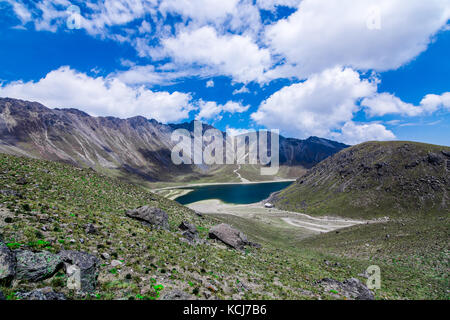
(126, 243)
(134, 148)
(374, 179)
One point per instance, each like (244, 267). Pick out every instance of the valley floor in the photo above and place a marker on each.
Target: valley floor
(301, 223)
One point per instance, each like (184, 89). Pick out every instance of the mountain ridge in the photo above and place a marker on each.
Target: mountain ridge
(374, 179)
(136, 146)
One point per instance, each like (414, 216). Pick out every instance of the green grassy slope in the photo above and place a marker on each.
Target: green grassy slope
(375, 179)
(58, 200)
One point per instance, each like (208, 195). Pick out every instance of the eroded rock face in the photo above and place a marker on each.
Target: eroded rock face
(7, 264)
(350, 288)
(36, 266)
(228, 235)
(41, 294)
(81, 269)
(150, 215)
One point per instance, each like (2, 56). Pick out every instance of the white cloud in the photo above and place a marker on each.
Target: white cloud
(66, 87)
(21, 11)
(200, 10)
(271, 4)
(149, 75)
(244, 89)
(211, 109)
(234, 132)
(323, 34)
(353, 133)
(210, 84)
(316, 107)
(433, 102)
(381, 104)
(232, 55)
(385, 103)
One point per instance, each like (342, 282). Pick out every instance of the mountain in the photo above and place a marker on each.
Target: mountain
(374, 179)
(134, 148)
(51, 210)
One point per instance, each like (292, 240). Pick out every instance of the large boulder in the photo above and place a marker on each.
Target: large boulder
(81, 269)
(228, 235)
(37, 266)
(150, 215)
(7, 265)
(189, 231)
(41, 294)
(350, 288)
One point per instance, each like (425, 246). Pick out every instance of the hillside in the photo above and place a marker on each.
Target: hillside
(374, 179)
(135, 149)
(49, 206)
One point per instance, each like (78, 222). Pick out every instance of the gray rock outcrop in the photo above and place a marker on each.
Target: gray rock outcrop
(81, 269)
(229, 235)
(350, 288)
(152, 216)
(7, 264)
(36, 266)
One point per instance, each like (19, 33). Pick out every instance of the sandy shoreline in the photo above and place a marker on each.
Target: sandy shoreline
(218, 184)
(273, 216)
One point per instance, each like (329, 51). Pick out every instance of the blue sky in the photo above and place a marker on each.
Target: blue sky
(352, 72)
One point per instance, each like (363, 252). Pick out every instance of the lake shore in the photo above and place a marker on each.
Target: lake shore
(258, 213)
(184, 186)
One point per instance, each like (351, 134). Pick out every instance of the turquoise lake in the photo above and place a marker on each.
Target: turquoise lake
(233, 193)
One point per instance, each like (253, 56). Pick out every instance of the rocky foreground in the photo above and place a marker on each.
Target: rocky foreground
(70, 233)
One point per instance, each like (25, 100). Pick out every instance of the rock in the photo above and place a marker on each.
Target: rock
(41, 294)
(105, 256)
(176, 295)
(446, 153)
(81, 269)
(228, 235)
(11, 193)
(350, 288)
(2, 296)
(150, 215)
(190, 231)
(21, 181)
(116, 263)
(36, 266)
(7, 265)
(91, 229)
(198, 214)
(435, 159)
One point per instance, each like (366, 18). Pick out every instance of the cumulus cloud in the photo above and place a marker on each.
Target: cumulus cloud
(66, 87)
(354, 133)
(382, 104)
(385, 103)
(211, 109)
(316, 107)
(271, 4)
(323, 34)
(210, 84)
(234, 132)
(433, 102)
(232, 55)
(243, 89)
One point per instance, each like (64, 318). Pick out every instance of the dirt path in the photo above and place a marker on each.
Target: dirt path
(275, 217)
(239, 175)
